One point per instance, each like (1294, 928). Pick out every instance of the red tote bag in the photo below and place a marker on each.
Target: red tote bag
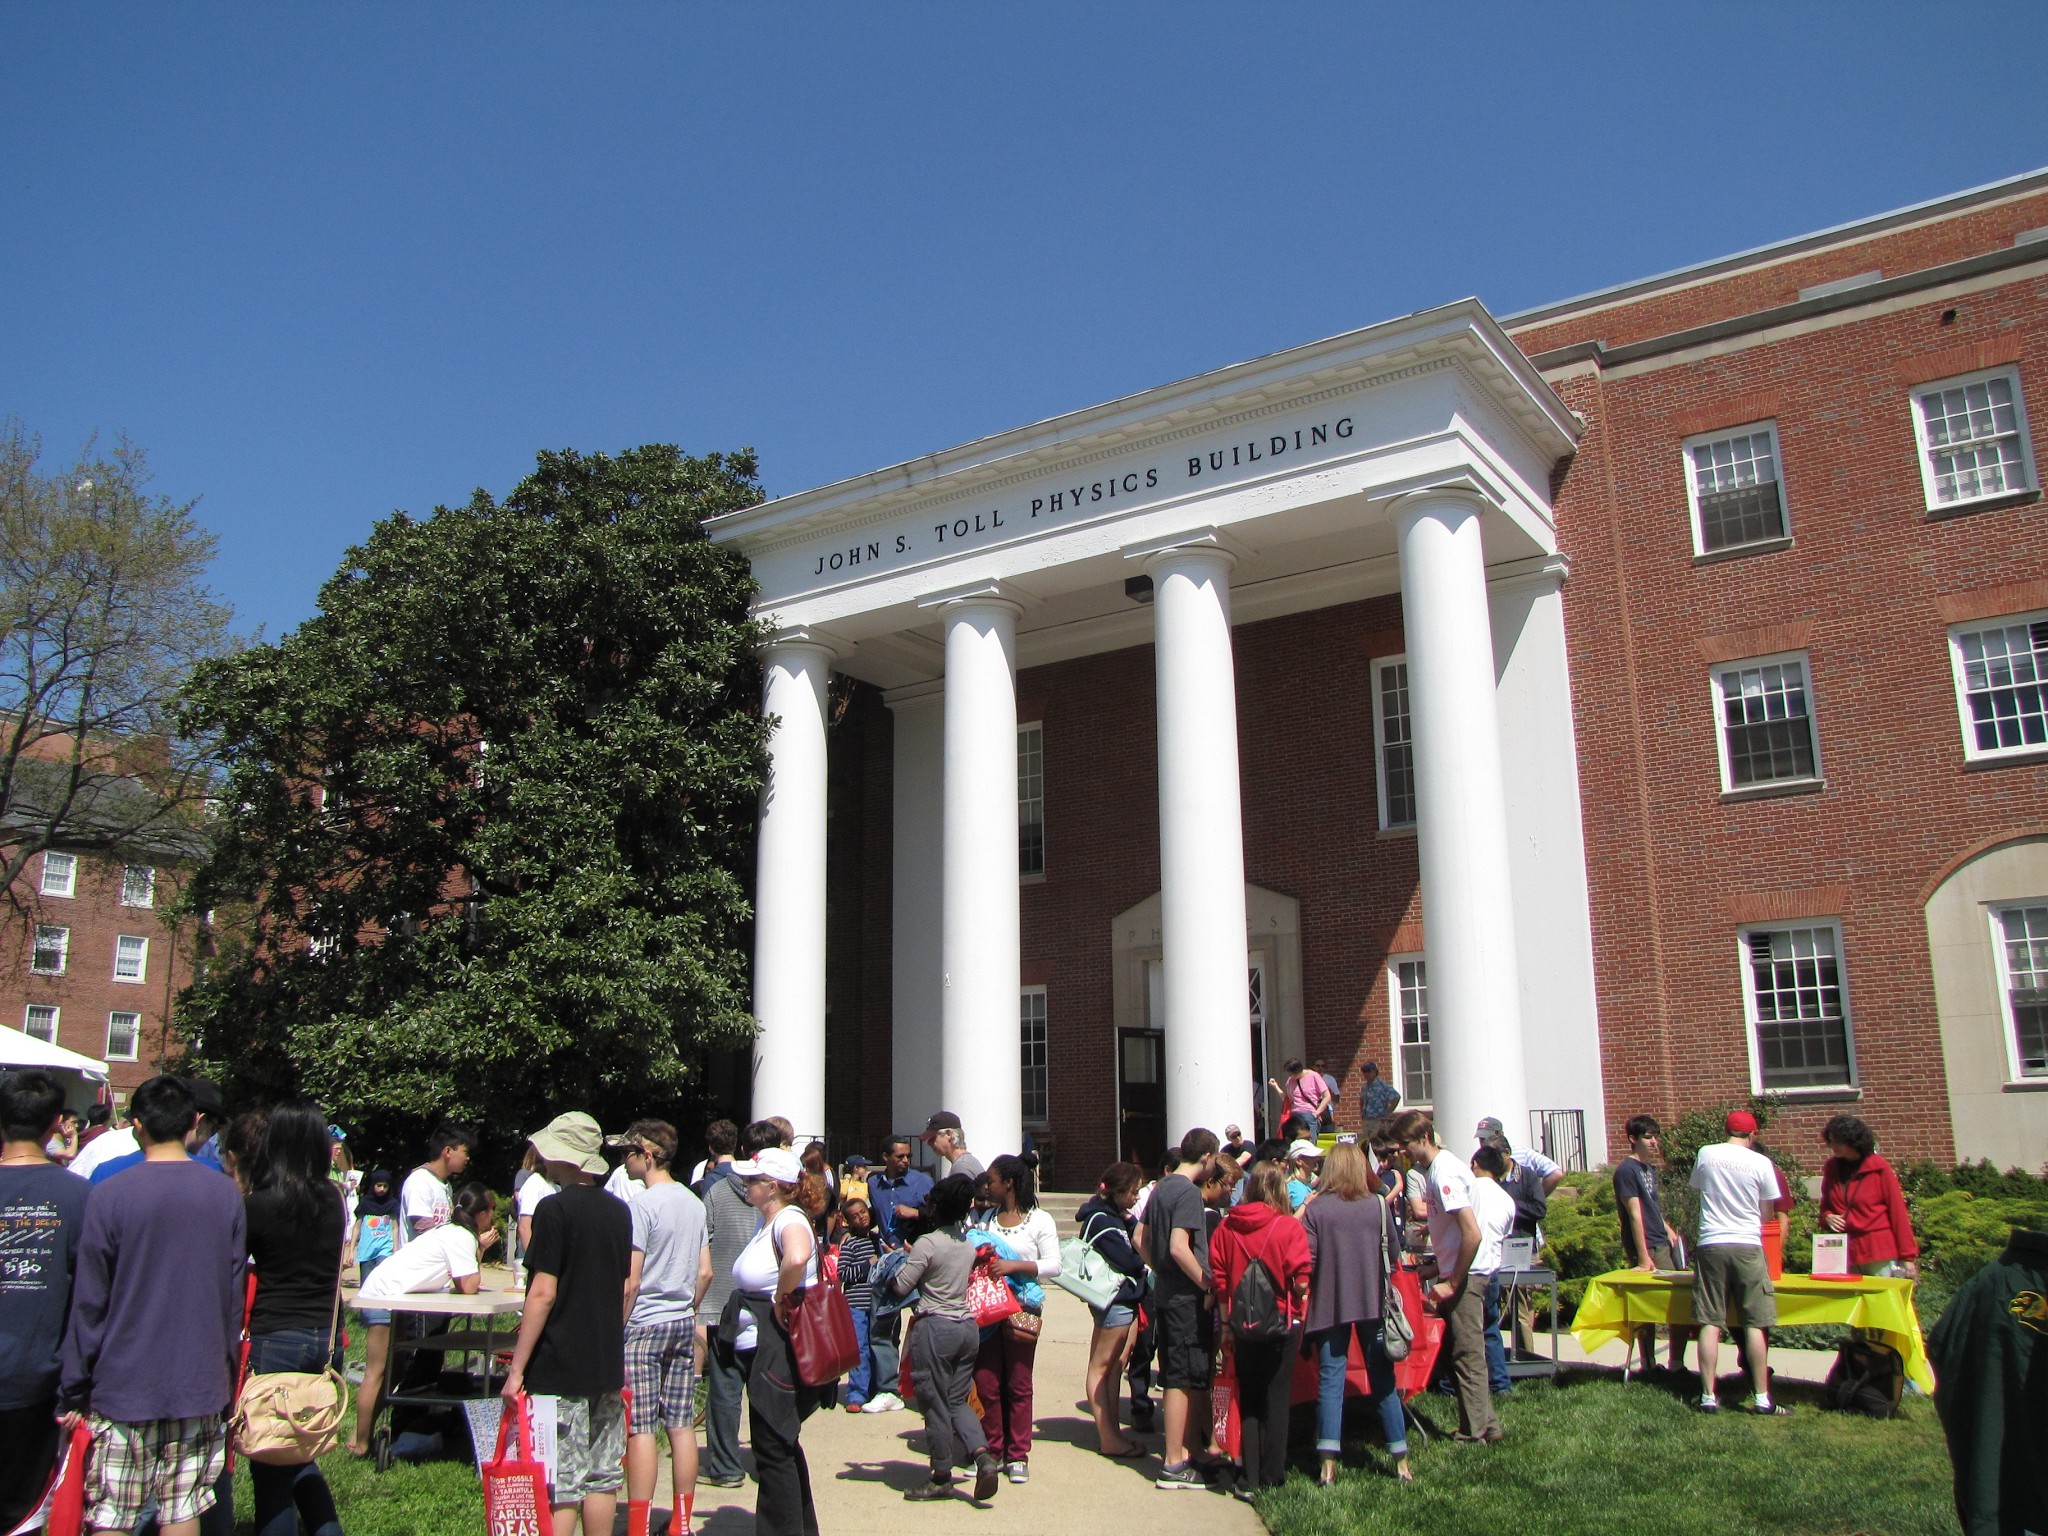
(989, 1296)
(516, 1488)
(821, 1335)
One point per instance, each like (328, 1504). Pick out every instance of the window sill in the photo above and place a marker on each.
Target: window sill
(1774, 791)
(1838, 1094)
(1942, 513)
(2023, 757)
(131, 981)
(2025, 1085)
(1737, 551)
(1037, 879)
(1386, 833)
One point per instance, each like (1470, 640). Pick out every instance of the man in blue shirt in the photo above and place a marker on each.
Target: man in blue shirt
(894, 1193)
(1376, 1102)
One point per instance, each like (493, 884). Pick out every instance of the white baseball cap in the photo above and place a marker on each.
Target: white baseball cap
(777, 1163)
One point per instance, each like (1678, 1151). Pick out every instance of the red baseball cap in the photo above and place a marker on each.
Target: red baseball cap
(1741, 1123)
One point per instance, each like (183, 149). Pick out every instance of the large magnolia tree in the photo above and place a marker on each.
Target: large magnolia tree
(486, 823)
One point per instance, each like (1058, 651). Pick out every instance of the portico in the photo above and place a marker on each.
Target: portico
(1410, 458)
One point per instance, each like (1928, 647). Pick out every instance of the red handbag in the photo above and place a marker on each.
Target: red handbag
(989, 1296)
(821, 1336)
(516, 1489)
(67, 1485)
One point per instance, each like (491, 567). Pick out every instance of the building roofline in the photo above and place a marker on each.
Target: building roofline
(1778, 250)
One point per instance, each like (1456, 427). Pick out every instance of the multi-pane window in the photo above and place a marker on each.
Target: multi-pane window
(41, 1022)
(124, 1036)
(138, 886)
(52, 951)
(1973, 438)
(131, 957)
(2022, 937)
(1036, 1059)
(1394, 742)
(2002, 685)
(1737, 497)
(60, 874)
(1766, 722)
(1797, 1010)
(1031, 799)
(1409, 979)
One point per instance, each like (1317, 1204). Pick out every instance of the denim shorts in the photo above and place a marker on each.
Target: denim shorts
(1116, 1315)
(370, 1315)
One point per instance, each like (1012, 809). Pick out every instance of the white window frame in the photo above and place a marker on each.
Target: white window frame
(121, 943)
(63, 949)
(1919, 392)
(1971, 751)
(1399, 1054)
(1777, 659)
(148, 885)
(55, 863)
(134, 1051)
(1025, 997)
(1995, 914)
(1031, 738)
(1750, 1020)
(1380, 666)
(1691, 447)
(56, 1014)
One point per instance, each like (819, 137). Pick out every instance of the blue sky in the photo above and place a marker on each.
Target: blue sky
(324, 262)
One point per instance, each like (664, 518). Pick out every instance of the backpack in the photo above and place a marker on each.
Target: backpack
(1867, 1378)
(1531, 1203)
(1257, 1311)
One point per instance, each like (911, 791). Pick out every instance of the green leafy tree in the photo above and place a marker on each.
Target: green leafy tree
(104, 612)
(487, 817)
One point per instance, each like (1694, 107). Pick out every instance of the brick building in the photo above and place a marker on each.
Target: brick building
(1627, 706)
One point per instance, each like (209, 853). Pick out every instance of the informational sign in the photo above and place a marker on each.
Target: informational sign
(1831, 1253)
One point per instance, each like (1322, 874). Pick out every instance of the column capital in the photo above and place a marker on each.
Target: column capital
(802, 637)
(1209, 545)
(1462, 492)
(986, 594)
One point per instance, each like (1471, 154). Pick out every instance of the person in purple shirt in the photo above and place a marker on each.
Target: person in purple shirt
(156, 1311)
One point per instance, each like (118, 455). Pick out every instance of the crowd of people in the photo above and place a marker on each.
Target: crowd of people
(126, 1293)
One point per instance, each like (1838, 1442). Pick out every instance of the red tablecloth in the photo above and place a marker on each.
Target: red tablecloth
(1410, 1376)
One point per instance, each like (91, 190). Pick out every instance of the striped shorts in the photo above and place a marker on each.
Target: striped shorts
(661, 1368)
(173, 1462)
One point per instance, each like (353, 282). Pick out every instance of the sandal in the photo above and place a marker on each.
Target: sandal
(1131, 1452)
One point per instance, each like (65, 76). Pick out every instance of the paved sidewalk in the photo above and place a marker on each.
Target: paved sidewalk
(862, 1463)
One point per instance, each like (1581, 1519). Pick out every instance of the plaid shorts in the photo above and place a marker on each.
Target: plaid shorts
(173, 1462)
(590, 1446)
(661, 1368)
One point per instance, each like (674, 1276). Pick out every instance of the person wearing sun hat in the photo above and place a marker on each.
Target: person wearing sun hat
(1304, 1162)
(572, 1330)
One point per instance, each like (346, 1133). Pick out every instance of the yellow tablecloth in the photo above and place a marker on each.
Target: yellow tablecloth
(1618, 1303)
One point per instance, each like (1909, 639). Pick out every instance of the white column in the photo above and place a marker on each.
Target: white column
(917, 967)
(1468, 921)
(789, 888)
(1201, 844)
(981, 1072)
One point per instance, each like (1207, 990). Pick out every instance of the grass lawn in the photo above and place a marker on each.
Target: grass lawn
(1589, 1455)
(436, 1498)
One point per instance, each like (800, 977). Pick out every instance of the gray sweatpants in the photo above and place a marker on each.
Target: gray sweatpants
(942, 1351)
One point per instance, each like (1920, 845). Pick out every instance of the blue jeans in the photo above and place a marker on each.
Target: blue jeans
(288, 1496)
(860, 1380)
(1333, 1350)
(885, 1346)
(1496, 1350)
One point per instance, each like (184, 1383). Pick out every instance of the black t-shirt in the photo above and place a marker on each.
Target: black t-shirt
(584, 1238)
(1175, 1203)
(42, 1213)
(1637, 1180)
(298, 1263)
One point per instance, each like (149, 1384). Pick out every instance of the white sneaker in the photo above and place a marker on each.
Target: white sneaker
(883, 1402)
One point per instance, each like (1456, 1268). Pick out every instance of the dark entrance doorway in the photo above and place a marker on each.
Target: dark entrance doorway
(1141, 1095)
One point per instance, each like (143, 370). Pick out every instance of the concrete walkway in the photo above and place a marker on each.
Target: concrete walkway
(861, 1464)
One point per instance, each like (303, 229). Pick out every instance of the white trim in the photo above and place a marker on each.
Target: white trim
(1750, 1021)
(70, 882)
(141, 976)
(1699, 440)
(1397, 1043)
(1777, 658)
(1972, 753)
(1379, 742)
(63, 949)
(149, 892)
(1037, 729)
(1919, 392)
(1995, 913)
(56, 1021)
(1045, 1025)
(134, 1052)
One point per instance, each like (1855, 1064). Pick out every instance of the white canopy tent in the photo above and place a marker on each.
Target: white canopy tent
(83, 1079)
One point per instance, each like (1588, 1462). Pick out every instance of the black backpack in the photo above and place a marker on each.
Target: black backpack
(1257, 1312)
(1867, 1378)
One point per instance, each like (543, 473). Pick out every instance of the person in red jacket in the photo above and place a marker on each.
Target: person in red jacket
(1262, 1229)
(1860, 1195)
